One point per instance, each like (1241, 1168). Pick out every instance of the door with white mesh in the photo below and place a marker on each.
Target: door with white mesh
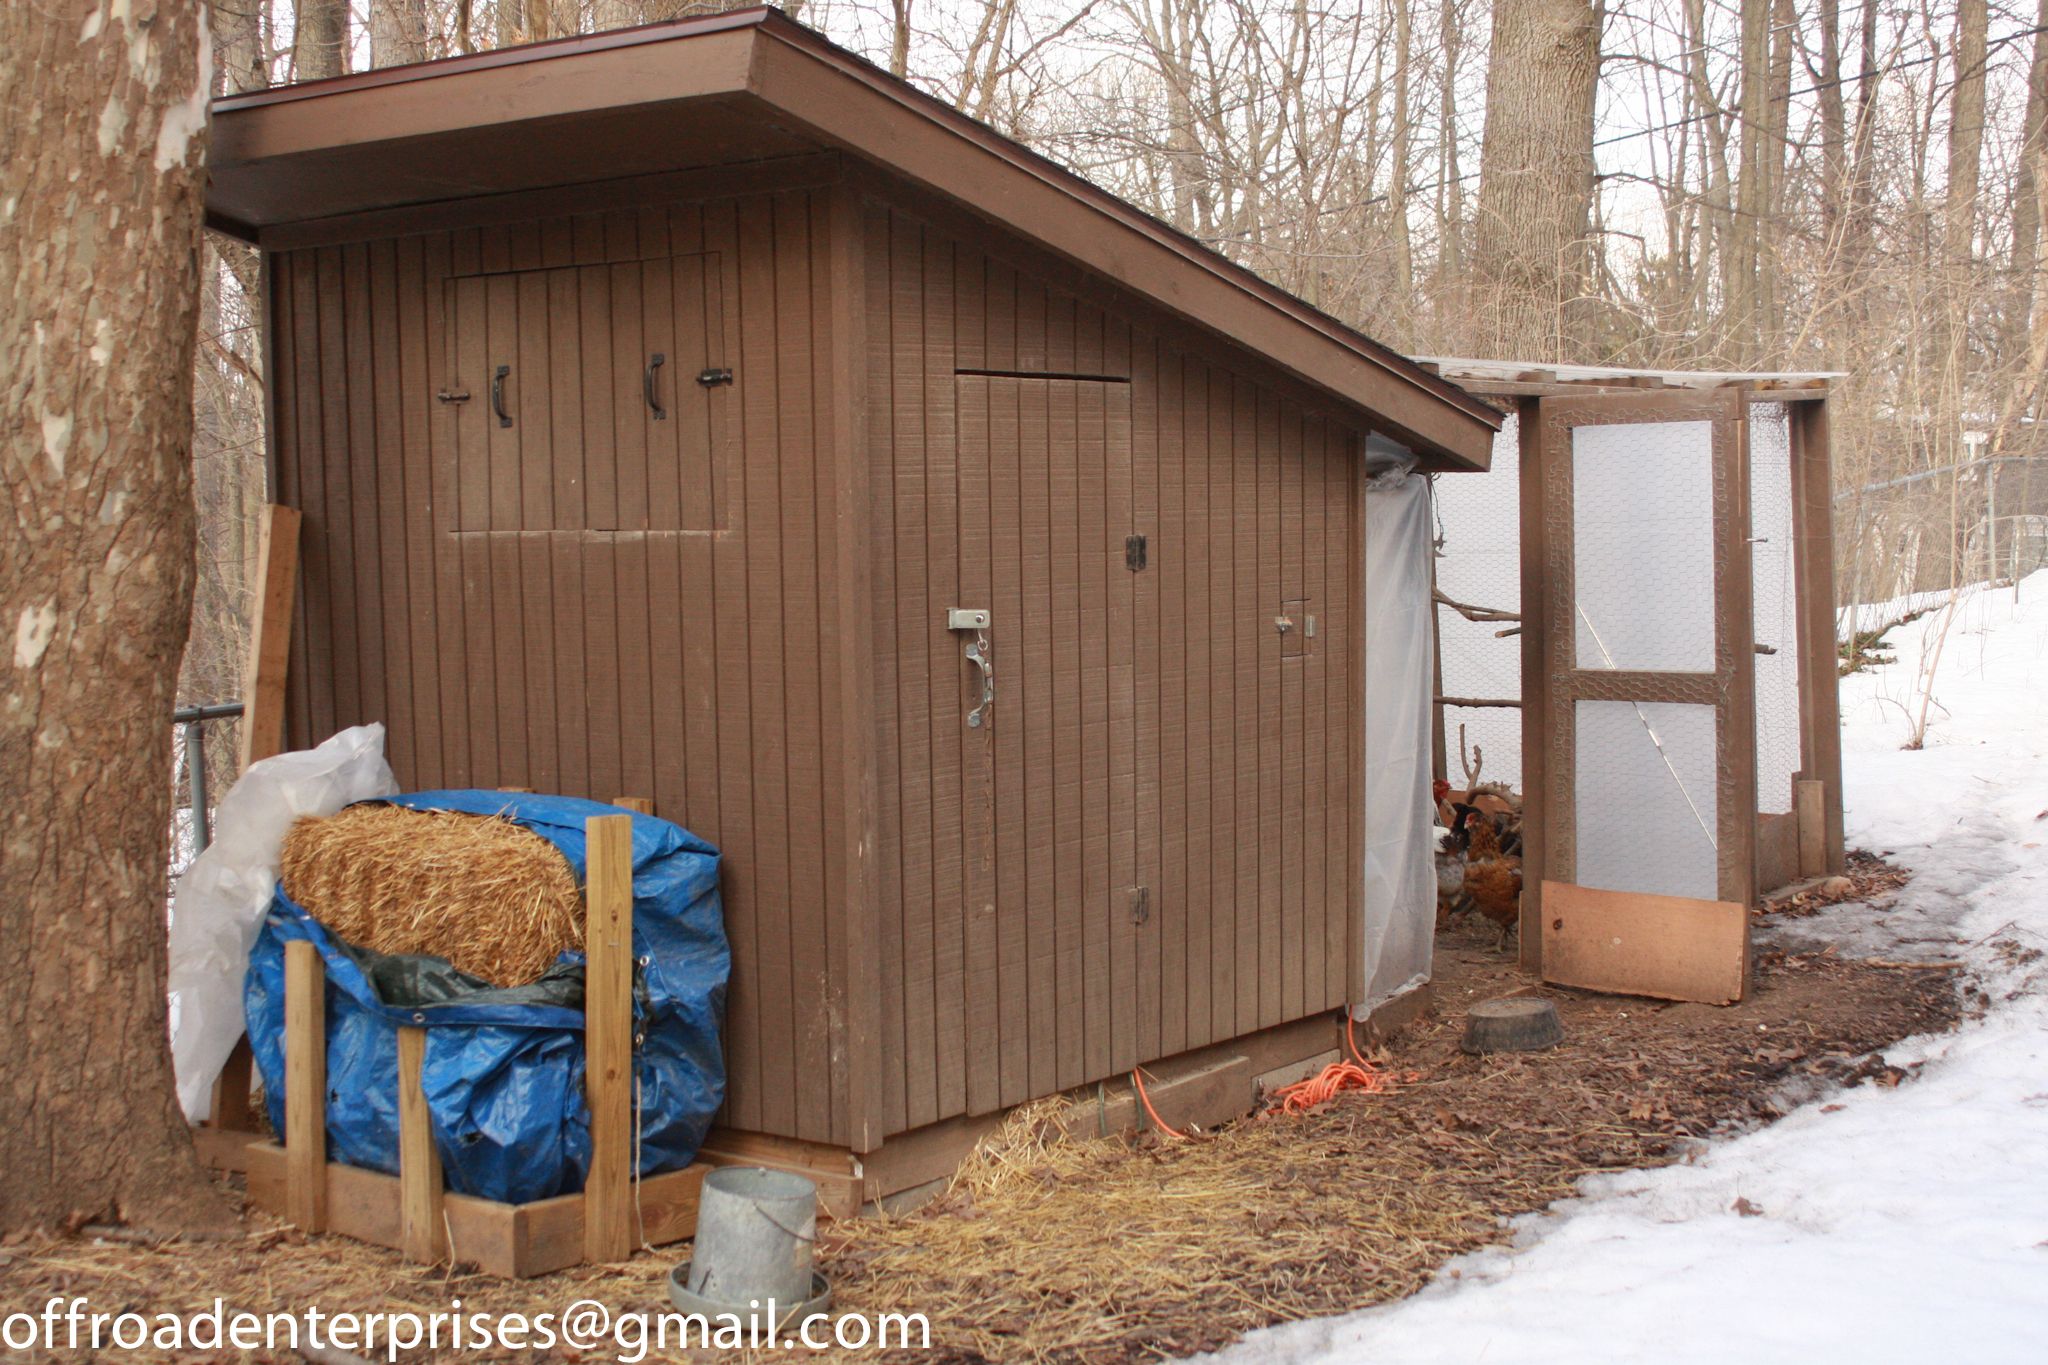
(1645, 720)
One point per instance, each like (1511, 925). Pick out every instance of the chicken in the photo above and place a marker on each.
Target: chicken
(1503, 806)
(1450, 875)
(1492, 879)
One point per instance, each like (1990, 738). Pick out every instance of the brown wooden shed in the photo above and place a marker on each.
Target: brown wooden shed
(654, 401)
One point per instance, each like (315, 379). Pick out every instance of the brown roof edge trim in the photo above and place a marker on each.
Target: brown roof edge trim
(1195, 252)
(662, 31)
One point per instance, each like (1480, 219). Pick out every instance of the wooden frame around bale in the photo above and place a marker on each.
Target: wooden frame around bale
(413, 1212)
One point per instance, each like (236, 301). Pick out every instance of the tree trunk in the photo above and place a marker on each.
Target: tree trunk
(1965, 134)
(606, 15)
(1449, 292)
(99, 240)
(238, 46)
(398, 32)
(320, 39)
(899, 39)
(1397, 187)
(1535, 172)
(2026, 210)
(1752, 189)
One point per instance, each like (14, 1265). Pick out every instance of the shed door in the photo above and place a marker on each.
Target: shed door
(1644, 718)
(592, 397)
(582, 484)
(1059, 909)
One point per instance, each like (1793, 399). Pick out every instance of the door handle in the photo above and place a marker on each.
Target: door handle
(981, 653)
(653, 392)
(498, 395)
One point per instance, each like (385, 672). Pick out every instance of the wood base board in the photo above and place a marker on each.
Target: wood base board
(514, 1241)
(224, 1149)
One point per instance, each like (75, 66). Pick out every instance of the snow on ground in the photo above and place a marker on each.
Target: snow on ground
(1887, 1224)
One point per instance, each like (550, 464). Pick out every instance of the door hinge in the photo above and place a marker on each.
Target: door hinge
(714, 376)
(1134, 553)
(1141, 904)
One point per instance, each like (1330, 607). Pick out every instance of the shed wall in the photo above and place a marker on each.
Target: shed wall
(553, 645)
(1154, 735)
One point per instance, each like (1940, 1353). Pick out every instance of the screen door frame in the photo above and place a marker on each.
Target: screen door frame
(1553, 682)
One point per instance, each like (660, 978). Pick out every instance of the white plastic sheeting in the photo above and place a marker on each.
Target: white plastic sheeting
(1777, 606)
(1400, 875)
(222, 897)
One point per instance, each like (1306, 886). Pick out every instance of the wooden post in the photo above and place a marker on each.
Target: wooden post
(305, 1086)
(421, 1227)
(270, 635)
(608, 1231)
(1810, 807)
(644, 805)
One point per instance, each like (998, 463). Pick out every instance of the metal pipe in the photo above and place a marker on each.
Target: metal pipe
(195, 782)
(212, 710)
(193, 719)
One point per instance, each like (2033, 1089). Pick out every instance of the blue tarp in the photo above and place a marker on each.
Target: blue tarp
(503, 1074)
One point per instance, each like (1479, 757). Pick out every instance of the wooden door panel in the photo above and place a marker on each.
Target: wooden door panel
(1045, 506)
(593, 434)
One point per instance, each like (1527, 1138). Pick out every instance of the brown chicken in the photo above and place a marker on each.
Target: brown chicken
(1493, 880)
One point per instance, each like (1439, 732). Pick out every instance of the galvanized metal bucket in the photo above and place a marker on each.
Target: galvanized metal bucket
(756, 1230)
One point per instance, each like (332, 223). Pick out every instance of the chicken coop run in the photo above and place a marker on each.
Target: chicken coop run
(698, 411)
(1636, 629)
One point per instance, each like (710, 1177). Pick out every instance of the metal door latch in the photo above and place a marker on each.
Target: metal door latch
(979, 652)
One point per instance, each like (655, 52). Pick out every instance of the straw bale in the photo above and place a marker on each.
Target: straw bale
(496, 900)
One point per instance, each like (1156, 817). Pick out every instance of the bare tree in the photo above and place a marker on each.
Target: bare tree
(99, 240)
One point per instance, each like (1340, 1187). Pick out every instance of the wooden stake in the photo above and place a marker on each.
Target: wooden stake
(420, 1189)
(270, 636)
(608, 1037)
(1810, 803)
(305, 1086)
(644, 805)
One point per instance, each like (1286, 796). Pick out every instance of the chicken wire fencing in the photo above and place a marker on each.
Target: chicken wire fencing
(1479, 566)
(1645, 536)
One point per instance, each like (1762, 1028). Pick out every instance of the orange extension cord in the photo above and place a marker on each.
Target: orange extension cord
(1354, 1073)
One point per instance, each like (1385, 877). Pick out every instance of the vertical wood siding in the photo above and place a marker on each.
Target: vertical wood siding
(1151, 730)
(591, 601)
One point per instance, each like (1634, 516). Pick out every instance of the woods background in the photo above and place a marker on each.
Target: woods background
(1838, 185)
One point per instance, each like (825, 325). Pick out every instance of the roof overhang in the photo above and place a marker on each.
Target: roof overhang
(749, 86)
(1534, 379)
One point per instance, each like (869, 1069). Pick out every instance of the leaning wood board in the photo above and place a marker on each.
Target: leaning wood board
(1669, 947)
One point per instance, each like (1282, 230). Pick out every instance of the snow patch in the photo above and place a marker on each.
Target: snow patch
(102, 342)
(33, 633)
(1878, 1224)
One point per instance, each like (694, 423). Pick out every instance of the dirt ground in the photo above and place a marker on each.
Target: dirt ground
(1089, 1250)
